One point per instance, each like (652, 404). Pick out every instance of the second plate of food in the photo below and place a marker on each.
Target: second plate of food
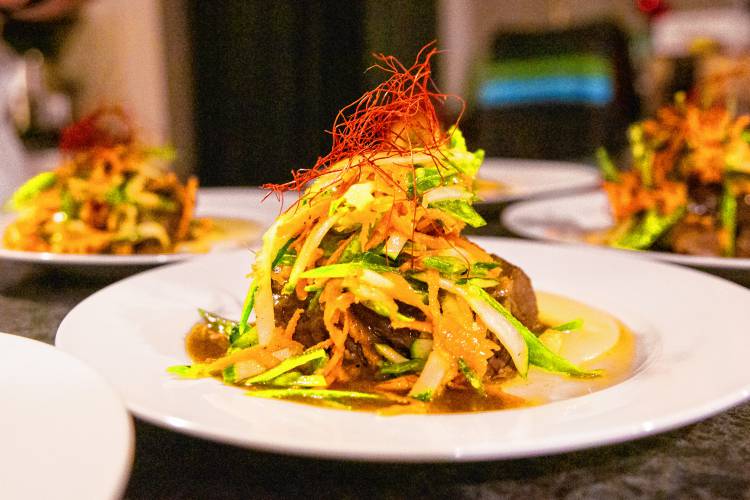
(665, 349)
(575, 218)
(237, 218)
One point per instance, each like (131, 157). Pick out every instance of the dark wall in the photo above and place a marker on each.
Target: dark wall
(270, 76)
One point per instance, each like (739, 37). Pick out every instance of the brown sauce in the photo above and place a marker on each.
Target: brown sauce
(617, 362)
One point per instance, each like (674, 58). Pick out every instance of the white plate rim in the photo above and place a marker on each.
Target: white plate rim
(123, 449)
(241, 203)
(513, 213)
(626, 431)
(532, 174)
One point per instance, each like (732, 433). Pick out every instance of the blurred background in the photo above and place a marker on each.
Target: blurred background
(244, 89)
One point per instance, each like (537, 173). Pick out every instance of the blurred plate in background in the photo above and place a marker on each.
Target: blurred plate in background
(240, 214)
(505, 179)
(569, 219)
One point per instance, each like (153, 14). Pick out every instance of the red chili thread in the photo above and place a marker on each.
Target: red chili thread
(376, 123)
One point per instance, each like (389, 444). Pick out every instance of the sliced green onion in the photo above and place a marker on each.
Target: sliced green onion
(281, 253)
(353, 248)
(471, 377)
(324, 394)
(421, 348)
(645, 234)
(576, 324)
(462, 210)
(445, 265)
(31, 189)
(606, 166)
(349, 268)
(197, 370)
(412, 365)
(244, 340)
(297, 379)
(479, 269)
(390, 353)
(480, 282)
(247, 307)
(288, 365)
(427, 178)
(728, 218)
(217, 323)
(240, 371)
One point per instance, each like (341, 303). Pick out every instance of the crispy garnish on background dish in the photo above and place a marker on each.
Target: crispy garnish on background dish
(687, 187)
(111, 194)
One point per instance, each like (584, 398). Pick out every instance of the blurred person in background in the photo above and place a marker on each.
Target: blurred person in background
(14, 168)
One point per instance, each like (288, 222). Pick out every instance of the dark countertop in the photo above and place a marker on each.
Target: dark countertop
(710, 459)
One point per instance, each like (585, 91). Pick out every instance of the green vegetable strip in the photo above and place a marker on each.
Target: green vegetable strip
(421, 348)
(412, 365)
(642, 158)
(471, 377)
(539, 355)
(576, 324)
(348, 269)
(198, 370)
(229, 374)
(287, 365)
(325, 394)
(462, 210)
(68, 205)
(247, 307)
(480, 282)
(430, 177)
(606, 166)
(242, 370)
(390, 353)
(649, 230)
(728, 217)
(480, 269)
(297, 379)
(218, 323)
(31, 189)
(445, 265)
(353, 248)
(281, 253)
(245, 340)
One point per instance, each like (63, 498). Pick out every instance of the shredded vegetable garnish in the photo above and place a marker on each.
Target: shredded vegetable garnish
(369, 272)
(111, 194)
(688, 180)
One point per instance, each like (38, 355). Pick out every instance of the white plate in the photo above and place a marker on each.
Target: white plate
(64, 432)
(682, 376)
(240, 203)
(568, 219)
(515, 178)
